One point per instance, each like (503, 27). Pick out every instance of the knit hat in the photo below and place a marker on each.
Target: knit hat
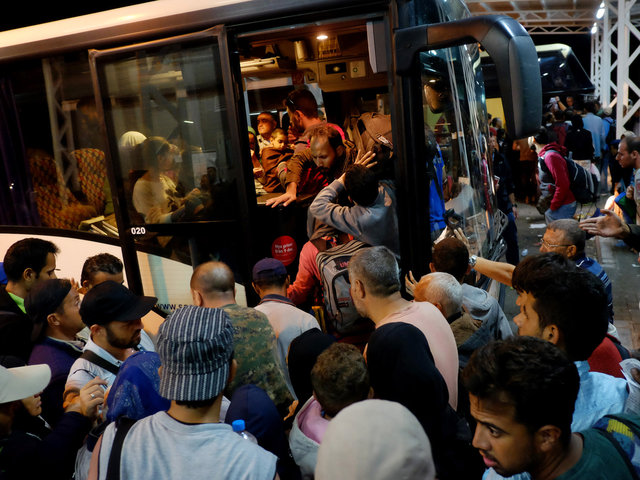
(195, 345)
(112, 302)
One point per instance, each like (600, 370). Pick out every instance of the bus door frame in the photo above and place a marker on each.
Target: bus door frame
(516, 59)
(238, 148)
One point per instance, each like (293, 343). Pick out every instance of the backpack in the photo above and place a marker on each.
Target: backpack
(625, 437)
(342, 315)
(372, 129)
(583, 183)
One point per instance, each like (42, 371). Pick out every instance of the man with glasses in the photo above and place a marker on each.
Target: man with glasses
(567, 238)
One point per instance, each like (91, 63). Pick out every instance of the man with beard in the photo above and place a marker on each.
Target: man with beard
(114, 316)
(307, 170)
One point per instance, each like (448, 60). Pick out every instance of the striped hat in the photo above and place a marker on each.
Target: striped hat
(195, 345)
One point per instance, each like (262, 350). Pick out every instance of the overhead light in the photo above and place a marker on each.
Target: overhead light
(601, 11)
(322, 37)
(594, 29)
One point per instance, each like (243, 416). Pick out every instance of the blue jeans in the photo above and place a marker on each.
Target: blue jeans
(565, 211)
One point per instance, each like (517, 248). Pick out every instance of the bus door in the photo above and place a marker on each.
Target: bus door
(445, 167)
(179, 164)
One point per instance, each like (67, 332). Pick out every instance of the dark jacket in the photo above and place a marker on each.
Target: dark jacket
(15, 328)
(59, 356)
(24, 456)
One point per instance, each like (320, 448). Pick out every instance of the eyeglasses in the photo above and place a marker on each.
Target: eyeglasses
(550, 245)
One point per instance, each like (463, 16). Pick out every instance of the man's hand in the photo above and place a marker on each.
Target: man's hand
(459, 234)
(89, 399)
(366, 159)
(410, 283)
(608, 225)
(286, 198)
(629, 193)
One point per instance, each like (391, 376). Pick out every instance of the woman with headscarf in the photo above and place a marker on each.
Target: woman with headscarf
(133, 394)
(402, 370)
(375, 440)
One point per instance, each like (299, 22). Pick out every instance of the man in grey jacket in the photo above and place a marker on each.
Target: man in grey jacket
(372, 219)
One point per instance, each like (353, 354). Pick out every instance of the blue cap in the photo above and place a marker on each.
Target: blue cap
(267, 269)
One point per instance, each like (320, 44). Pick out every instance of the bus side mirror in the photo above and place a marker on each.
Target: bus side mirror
(509, 46)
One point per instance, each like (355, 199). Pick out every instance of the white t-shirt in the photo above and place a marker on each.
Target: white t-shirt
(159, 447)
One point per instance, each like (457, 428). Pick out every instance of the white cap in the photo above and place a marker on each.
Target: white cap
(23, 382)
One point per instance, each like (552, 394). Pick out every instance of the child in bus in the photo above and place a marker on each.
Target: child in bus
(273, 159)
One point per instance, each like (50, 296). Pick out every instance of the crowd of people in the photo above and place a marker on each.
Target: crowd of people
(438, 384)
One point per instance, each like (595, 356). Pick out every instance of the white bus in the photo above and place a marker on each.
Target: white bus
(197, 73)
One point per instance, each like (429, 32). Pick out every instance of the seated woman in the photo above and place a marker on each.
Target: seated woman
(155, 195)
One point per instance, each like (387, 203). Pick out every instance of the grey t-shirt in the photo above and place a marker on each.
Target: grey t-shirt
(159, 447)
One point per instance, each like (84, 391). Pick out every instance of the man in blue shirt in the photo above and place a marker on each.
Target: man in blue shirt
(595, 125)
(568, 239)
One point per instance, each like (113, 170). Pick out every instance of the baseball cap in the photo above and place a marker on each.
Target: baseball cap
(267, 269)
(45, 298)
(112, 302)
(195, 345)
(22, 382)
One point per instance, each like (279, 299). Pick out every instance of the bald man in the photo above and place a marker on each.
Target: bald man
(255, 345)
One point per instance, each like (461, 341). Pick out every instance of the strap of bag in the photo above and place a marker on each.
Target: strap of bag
(99, 361)
(124, 424)
(621, 452)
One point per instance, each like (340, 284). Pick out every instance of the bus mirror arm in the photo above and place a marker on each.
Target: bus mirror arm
(509, 46)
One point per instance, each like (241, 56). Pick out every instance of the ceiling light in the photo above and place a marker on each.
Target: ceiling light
(594, 29)
(322, 37)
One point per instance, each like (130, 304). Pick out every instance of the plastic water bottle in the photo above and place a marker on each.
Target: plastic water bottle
(239, 427)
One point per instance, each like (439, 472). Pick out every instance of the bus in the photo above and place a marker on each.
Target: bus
(561, 75)
(78, 92)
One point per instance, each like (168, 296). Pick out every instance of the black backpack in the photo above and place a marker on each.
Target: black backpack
(583, 183)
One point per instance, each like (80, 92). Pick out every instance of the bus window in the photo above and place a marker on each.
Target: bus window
(166, 107)
(462, 193)
(178, 173)
(62, 167)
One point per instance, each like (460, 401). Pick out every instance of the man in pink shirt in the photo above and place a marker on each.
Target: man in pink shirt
(375, 289)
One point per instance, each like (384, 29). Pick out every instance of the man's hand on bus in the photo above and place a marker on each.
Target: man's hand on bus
(364, 159)
(459, 234)
(286, 198)
(410, 283)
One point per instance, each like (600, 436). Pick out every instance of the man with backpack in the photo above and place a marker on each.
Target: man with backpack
(556, 194)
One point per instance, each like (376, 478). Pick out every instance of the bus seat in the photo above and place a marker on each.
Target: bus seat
(92, 173)
(56, 205)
